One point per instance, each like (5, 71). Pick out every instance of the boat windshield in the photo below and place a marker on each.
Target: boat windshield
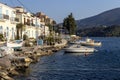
(18, 41)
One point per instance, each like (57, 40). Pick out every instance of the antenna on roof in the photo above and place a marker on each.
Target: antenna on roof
(24, 6)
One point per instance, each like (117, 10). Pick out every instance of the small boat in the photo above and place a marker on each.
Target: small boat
(79, 49)
(15, 44)
(90, 42)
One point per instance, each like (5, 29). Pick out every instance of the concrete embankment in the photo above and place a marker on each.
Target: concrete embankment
(11, 64)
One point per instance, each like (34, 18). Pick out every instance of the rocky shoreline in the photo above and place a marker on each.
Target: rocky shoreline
(10, 65)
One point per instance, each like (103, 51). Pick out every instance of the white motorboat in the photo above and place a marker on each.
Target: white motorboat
(79, 49)
(15, 44)
(90, 42)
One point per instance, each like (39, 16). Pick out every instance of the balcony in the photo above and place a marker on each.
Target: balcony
(17, 19)
(33, 24)
(4, 17)
(14, 20)
(27, 23)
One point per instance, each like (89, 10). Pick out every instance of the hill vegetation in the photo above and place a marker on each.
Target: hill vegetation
(100, 31)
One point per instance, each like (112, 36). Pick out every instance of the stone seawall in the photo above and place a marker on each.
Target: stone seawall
(11, 64)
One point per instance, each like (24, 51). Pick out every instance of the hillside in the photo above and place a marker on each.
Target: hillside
(107, 18)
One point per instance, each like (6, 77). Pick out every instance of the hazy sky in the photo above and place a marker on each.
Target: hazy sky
(59, 9)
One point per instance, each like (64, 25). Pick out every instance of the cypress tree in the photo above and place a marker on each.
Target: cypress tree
(69, 24)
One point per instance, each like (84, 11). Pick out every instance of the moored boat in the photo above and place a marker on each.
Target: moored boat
(15, 44)
(90, 42)
(79, 49)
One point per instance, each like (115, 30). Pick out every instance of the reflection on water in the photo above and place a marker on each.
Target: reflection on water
(77, 54)
(102, 65)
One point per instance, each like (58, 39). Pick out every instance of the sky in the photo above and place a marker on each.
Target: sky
(60, 9)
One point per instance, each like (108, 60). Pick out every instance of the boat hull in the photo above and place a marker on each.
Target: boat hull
(14, 45)
(90, 44)
(79, 50)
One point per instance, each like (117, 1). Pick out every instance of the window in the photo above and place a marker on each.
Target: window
(18, 11)
(7, 13)
(12, 14)
(32, 33)
(12, 33)
(7, 32)
(1, 29)
(0, 12)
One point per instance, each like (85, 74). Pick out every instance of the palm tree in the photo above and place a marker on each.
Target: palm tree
(20, 27)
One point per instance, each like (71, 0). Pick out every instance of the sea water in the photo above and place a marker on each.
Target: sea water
(101, 65)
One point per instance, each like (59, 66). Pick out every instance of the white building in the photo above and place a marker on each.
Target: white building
(7, 21)
(45, 31)
(31, 22)
(35, 26)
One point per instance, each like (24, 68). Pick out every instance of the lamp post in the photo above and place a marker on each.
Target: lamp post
(44, 31)
(36, 31)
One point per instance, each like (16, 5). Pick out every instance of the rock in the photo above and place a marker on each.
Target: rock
(5, 63)
(14, 72)
(4, 76)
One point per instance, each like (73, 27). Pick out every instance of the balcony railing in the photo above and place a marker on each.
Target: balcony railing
(17, 19)
(14, 20)
(4, 17)
(29, 24)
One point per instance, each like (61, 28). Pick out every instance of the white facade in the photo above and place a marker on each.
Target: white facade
(45, 30)
(32, 23)
(10, 17)
(7, 21)
(34, 26)
(33, 30)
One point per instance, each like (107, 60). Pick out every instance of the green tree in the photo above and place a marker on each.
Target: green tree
(20, 27)
(1, 37)
(54, 22)
(69, 24)
(25, 37)
(50, 27)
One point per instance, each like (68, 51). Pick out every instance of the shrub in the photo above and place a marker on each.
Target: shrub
(25, 37)
(1, 37)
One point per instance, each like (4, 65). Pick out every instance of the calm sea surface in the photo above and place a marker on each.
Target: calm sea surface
(101, 65)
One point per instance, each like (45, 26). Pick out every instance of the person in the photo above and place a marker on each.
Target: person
(85, 54)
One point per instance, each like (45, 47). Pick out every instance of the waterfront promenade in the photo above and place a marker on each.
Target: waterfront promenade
(11, 64)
